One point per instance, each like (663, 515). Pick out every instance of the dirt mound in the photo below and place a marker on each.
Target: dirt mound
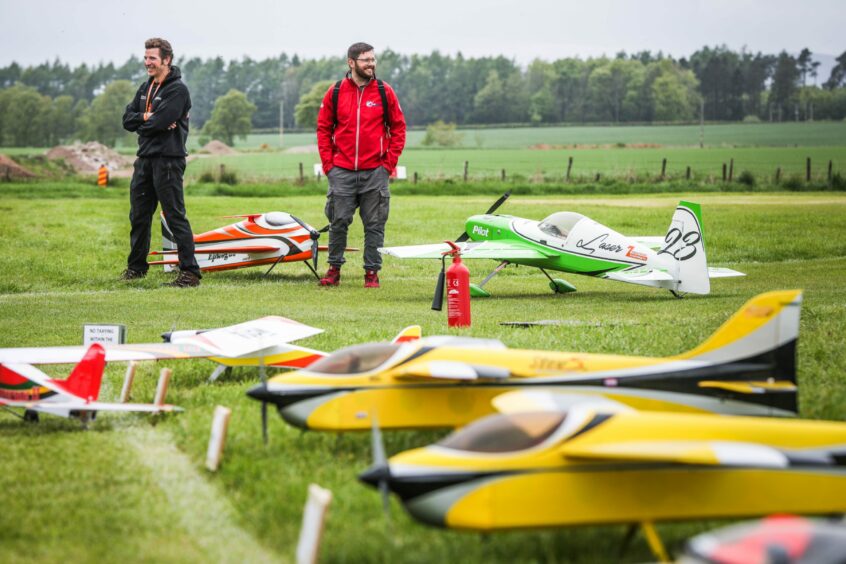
(302, 149)
(9, 169)
(87, 157)
(215, 147)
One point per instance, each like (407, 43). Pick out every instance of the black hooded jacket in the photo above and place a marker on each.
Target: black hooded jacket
(171, 103)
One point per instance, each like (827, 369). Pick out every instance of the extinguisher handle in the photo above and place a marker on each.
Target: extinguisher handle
(455, 249)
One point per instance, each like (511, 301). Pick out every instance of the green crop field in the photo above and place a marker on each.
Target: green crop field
(132, 488)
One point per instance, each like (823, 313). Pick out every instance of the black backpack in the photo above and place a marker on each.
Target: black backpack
(386, 117)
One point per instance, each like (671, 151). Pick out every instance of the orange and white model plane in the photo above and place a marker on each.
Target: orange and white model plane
(26, 387)
(259, 239)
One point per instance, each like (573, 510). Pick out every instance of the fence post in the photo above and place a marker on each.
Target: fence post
(569, 167)
(731, 170)
(466, 168)
(808, 170)
(415, 177)
(222, 172)
(687, 173)
(778, 175)
(829, 172)
(663, 167)
(724, 172)
(302, 179)
(597, 177)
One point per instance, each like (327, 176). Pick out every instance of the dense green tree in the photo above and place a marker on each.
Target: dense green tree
(838, 73)
(231, 117)
(783, 91)
(62, 122)
(26, 115)
(103, 121)
(309, 105)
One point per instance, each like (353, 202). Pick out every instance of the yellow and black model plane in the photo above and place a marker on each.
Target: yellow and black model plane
(591, 466)
(747, 367)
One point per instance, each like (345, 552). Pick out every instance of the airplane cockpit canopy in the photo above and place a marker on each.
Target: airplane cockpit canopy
(277, 219)
(505, 433)
(560, 224)
(354, 360)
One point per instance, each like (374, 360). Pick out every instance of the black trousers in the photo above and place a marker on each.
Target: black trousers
(158, 180)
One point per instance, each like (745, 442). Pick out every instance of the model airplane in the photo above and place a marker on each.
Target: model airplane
(259, 239)
(591, 467)
(265, 341)
(26, 387)
(748, 366)
(572, 243)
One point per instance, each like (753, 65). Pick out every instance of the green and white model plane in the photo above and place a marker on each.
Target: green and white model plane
(573, 243)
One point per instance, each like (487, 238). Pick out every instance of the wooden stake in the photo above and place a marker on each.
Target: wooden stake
(302, 178)
(314, 517)
(731, 170)
(687, 173)
(569, 167)
(217, 439)
(663, 167)
(724, 172)
(829, 172)
(415, 177)
(597, 177)
(127, 381)
(161, 387)
(466, 169)
(808, 170)
(503, 175)
(778, 175)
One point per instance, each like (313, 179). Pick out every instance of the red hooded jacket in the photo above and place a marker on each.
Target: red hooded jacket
(359, 140)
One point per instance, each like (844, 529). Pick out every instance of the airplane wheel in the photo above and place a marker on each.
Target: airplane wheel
(30, 416)
(678, 295)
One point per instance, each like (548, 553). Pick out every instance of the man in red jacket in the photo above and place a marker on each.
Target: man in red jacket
(360, 135)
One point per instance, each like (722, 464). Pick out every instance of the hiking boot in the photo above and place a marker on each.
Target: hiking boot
(332, 278)
(371, 279)
(185, 280)
(130, 274)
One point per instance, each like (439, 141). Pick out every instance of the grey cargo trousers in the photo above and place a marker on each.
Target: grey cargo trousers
(368, 191)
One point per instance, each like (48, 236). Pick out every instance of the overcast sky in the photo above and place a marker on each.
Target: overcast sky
(91, 31)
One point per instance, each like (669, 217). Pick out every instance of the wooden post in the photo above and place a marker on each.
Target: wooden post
(597, 177)
(127, 381)
(466, 169)
(687, 173)
(778, 175)
(503, 175)
(311, 530)
(415, 177)
(731, 170)
(217, 439)
(808, 170)
(724, 172)
(569, 167)
(161, 387)
(222, 171)
(829, 172)
(663, 167)
(302, 178)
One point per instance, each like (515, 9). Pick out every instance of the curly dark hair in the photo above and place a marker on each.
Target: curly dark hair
(163, 45)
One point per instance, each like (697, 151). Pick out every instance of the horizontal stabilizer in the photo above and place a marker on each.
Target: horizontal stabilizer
(93, 406)
(783, 386)
(410, 333)
(723, 273)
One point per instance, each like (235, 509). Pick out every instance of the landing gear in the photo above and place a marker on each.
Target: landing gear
(678, 295)
(559, 286)
(30, 416)
(476, 290)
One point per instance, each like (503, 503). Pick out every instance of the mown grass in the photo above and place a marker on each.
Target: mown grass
(109, 493)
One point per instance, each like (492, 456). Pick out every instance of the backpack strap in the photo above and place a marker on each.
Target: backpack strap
(386, 114)
(336, 91)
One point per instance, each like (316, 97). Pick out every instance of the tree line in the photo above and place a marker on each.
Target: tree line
(52, 102)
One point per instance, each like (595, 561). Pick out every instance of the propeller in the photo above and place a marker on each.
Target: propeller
(464, 236)
(380, 472)
(313, 235)
(263, 376)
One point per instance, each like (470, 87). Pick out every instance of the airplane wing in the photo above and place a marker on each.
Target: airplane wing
(497, 250)
(529, 401)
(452, 370)
(36, 376)
(91, 406)
(234, 341)
(229, 249)
(693, 452)
(723, 273)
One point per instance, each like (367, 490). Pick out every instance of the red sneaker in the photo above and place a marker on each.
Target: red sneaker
(332, 278)
(371, 279)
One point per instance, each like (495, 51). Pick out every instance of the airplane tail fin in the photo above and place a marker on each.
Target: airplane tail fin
(86, 377)
(410, 333)
(764, 331)
(685, 242)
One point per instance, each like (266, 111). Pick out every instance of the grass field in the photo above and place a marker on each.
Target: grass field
(135, 489)
(787, 134)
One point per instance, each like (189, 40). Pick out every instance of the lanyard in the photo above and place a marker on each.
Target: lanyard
(150, 97)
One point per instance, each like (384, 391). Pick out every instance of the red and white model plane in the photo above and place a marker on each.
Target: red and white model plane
(259, 239)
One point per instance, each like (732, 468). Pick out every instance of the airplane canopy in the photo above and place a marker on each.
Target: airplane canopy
(277, 219)
(354, 360)
(505, 433)
(560, 224)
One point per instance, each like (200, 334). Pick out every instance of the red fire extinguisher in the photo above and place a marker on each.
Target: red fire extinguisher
(458, 290)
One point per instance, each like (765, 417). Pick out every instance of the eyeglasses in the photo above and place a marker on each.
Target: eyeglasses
(368, 60)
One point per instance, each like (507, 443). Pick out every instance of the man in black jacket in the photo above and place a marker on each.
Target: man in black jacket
(159, 114)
